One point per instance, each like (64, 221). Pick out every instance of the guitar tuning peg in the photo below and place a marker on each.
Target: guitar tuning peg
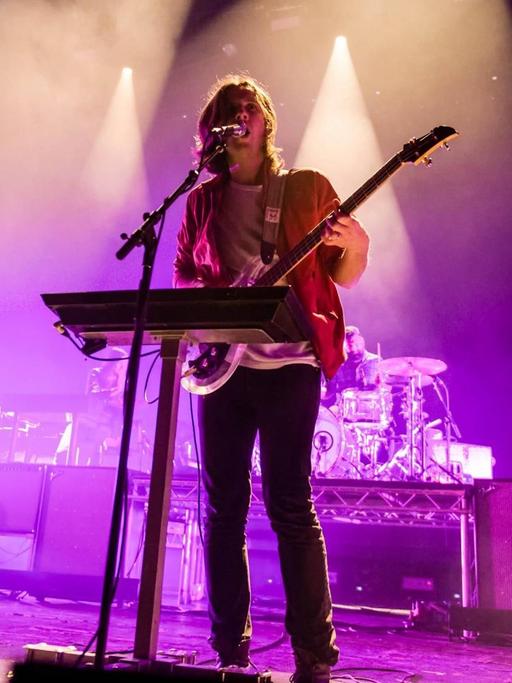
(427, 161)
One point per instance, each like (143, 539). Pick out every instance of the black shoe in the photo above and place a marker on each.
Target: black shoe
(233, 668)
(314, 673)
(234, 658)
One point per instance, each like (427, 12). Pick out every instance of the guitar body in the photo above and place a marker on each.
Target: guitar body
(213, 368)
(215, 365)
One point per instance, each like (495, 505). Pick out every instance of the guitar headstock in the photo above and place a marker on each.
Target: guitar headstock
(418, 150)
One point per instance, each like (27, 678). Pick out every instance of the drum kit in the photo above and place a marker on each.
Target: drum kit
(359, 438)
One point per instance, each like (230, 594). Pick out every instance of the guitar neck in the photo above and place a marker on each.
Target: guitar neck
(313, 239)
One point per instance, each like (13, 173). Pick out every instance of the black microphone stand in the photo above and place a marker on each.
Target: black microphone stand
(144, 236)
(445, 402)
(450, 425)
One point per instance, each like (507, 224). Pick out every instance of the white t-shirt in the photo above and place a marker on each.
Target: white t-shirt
(240, 225)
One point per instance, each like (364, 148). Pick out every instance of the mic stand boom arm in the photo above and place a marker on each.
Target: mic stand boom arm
(139, 236)
(145, 236)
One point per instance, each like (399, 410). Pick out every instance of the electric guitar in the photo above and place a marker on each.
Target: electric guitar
(217, 362)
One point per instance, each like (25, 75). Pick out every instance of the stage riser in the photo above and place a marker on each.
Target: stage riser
(369, 565)
(373, 564)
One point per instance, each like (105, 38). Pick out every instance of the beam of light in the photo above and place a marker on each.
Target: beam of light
(59, 62)
(60, 83)
(340, 140)
(114, 168)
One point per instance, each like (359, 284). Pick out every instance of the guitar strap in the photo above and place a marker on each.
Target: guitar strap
(274, 202)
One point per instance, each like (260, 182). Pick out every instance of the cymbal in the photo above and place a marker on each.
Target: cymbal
(408, 366)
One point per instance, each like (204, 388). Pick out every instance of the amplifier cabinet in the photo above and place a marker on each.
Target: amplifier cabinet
(493, 539)
(21, 488)
(75, 519)
(54, 530)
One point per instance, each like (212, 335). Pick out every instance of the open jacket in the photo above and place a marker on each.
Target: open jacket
(308, 198)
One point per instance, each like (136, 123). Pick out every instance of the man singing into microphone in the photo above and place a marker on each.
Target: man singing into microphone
(276, 388)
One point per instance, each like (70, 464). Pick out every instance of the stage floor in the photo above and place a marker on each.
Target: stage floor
(372, 644)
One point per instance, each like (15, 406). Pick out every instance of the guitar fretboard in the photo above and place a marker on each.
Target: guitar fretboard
(314, 237)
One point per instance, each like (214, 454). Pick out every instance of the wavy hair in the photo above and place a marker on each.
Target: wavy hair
(215, 112)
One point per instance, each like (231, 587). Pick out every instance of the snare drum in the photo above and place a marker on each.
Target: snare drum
(366, 406)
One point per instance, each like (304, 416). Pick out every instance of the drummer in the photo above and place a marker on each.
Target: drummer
(360, 370)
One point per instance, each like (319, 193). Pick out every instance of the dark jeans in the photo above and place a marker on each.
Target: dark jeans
(283, 405)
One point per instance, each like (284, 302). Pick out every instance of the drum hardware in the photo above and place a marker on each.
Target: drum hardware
(450, 424)
(414, 447)
(371, 440)
(364, 417)
(356, 437)
(414, 373)
(397, 467)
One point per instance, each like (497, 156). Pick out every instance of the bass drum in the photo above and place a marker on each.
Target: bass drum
(327, 443)
(335, 449)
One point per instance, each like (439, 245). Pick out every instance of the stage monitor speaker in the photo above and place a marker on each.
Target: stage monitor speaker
(493, 525)
(72, 539)
(20, 496)
(75, 520)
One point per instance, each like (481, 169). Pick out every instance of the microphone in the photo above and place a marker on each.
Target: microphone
(235, 130)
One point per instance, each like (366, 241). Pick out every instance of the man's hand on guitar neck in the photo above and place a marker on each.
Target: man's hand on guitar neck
(346, 232)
